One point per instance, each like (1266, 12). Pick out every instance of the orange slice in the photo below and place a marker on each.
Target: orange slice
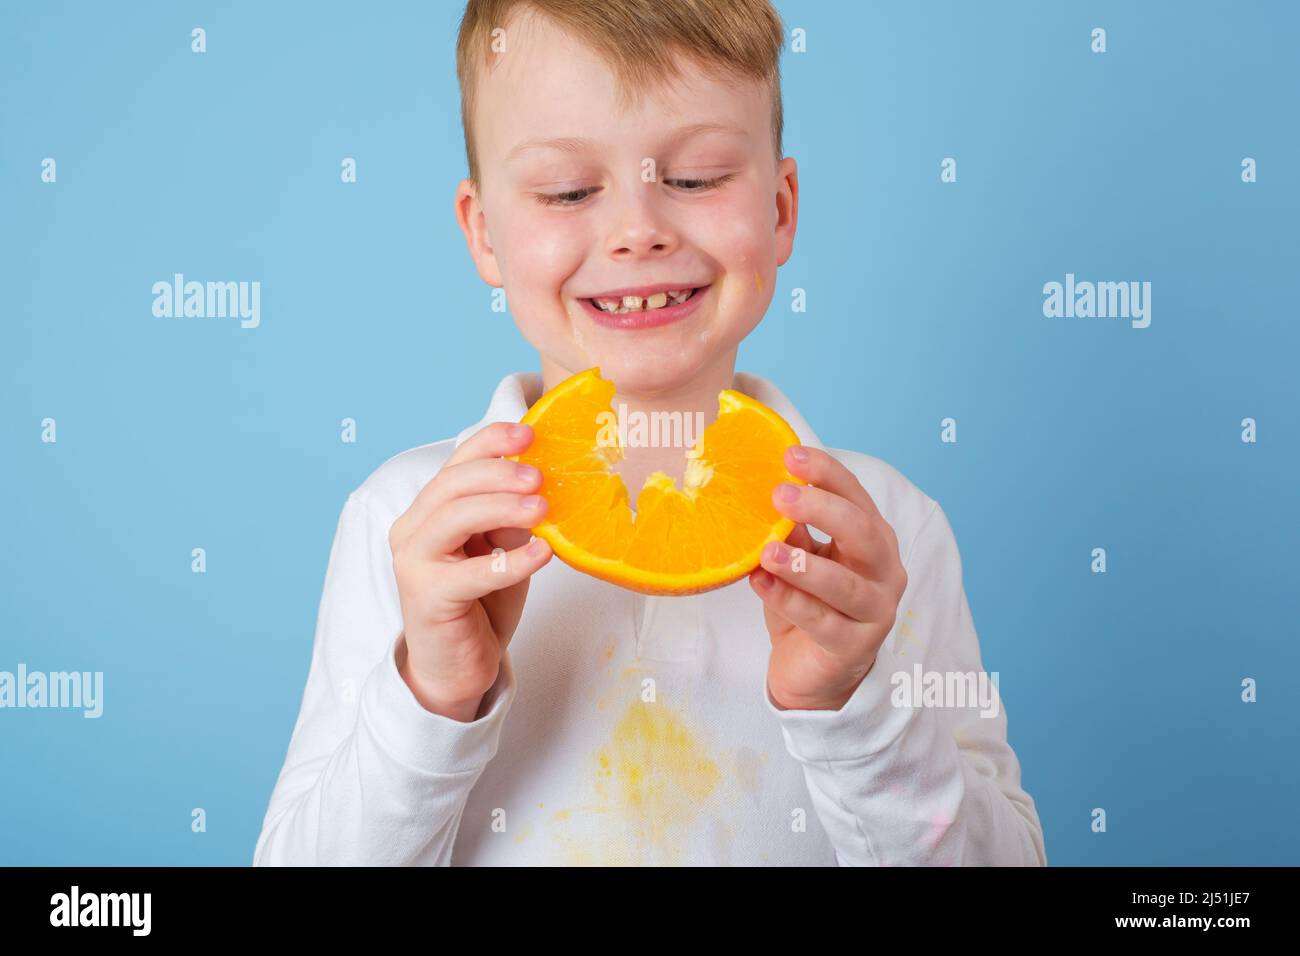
(708, 533)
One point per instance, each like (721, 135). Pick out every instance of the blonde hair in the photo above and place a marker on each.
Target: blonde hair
(638, 39)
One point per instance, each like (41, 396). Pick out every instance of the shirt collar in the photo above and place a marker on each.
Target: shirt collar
(519, 390)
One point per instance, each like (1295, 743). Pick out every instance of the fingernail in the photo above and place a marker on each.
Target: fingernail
(517, 431)
(762, 580)
(526, 472)
(787, 492)
(778, 552)
(532, 501)
(537, 547)
(798, 453)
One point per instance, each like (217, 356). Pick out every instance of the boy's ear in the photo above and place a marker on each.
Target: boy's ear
(787, 208)
(473, 223)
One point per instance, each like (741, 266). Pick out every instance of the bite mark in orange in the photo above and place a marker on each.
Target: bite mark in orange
(703, 535)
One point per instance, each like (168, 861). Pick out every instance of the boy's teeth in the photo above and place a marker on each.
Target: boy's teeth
(636, 303)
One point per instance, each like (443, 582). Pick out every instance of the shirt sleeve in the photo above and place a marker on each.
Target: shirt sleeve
(896, 784)
(371, 777)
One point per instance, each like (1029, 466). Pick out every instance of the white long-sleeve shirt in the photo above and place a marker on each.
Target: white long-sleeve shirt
(628, 729)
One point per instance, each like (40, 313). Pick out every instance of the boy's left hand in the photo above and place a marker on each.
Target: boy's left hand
(828, 620)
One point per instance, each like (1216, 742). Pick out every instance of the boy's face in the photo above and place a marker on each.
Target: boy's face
(558, 227)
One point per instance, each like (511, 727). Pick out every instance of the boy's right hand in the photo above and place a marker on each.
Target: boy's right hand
(460, 602)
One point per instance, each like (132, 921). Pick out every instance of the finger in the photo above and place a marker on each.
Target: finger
(866, 544)
(475, 578)
(455, 478)
(826, 471)
(448, 528)
(821, 622)
(829, 581)
(464, 480)
(858, 538)
(472, 478)
(493, 441)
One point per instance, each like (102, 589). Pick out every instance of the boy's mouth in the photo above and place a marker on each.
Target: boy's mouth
(643, 299)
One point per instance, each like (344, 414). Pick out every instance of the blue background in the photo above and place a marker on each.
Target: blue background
(925, 301)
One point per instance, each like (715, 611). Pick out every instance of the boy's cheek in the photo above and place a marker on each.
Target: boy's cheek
(745, 256)
(539, 242)
(744, 233)
(539, 258)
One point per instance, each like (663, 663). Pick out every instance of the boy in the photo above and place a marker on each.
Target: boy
(756, 723)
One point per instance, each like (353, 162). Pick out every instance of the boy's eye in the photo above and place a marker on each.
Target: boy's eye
(569, 198)
(699, 185)
(574, 196)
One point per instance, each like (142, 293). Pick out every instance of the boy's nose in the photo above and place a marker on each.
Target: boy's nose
(641, 230)
(635, 249)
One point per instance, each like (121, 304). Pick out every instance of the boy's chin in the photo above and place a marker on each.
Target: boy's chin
(654, 373)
